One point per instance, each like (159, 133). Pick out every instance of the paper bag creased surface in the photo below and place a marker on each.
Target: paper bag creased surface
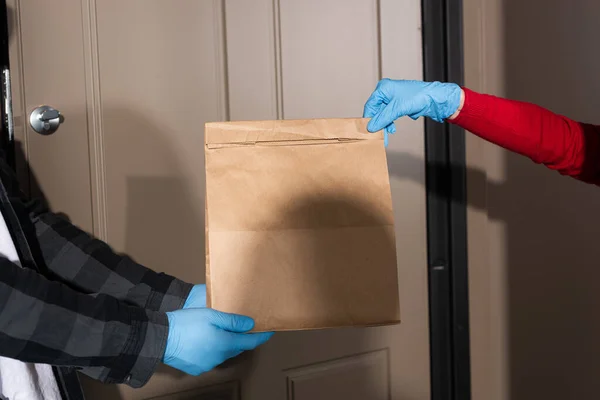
(299, 224)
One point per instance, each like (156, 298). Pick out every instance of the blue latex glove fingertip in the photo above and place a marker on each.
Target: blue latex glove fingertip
(370, 127)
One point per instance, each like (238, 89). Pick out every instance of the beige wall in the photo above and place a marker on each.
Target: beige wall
(534, 235)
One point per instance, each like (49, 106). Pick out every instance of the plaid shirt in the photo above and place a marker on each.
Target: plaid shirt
(76, 303)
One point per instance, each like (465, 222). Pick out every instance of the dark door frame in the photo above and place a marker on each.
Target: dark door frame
(6, 133)
(446, 200)
(446, 211)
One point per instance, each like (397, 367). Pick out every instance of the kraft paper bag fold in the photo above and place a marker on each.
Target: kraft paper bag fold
(299, 224)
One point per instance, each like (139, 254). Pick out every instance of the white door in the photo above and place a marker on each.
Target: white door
(137, 79)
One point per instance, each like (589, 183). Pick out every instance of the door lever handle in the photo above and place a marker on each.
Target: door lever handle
(49, 114)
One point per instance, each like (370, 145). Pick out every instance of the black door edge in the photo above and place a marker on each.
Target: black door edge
(446, 211)
(6, 139)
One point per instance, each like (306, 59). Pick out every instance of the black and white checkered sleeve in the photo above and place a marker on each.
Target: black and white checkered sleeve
(91, 266)
(42, 321)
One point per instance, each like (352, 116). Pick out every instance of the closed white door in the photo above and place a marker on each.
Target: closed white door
(137, 79)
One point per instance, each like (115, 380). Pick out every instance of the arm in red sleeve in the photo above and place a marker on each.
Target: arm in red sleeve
(572, 148)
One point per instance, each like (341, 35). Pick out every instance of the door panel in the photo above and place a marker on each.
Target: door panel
(327, 71)
(143, 77)
(152, 125)
(51, 80)
(364, 376)
(252, 60)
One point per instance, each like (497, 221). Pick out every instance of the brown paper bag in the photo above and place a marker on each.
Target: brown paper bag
(299, 224)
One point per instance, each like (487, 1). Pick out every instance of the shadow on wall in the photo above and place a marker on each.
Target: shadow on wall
(552, 223)
(164, 230)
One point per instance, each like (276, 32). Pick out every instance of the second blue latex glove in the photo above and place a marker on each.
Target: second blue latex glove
(393, 99)
(202, 338)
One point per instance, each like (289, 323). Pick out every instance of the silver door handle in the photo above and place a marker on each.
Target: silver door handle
(45, 120)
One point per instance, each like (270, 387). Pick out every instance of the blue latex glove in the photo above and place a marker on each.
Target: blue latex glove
(196, 298)
(393, 99)
(202, 338)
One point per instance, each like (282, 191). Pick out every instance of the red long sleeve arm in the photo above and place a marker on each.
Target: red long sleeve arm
(572, 148)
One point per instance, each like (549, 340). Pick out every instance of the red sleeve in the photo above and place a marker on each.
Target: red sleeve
(572, 148)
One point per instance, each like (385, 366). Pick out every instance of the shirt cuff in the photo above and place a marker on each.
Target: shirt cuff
(144, 350)
(148, 348)
(472, 108)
